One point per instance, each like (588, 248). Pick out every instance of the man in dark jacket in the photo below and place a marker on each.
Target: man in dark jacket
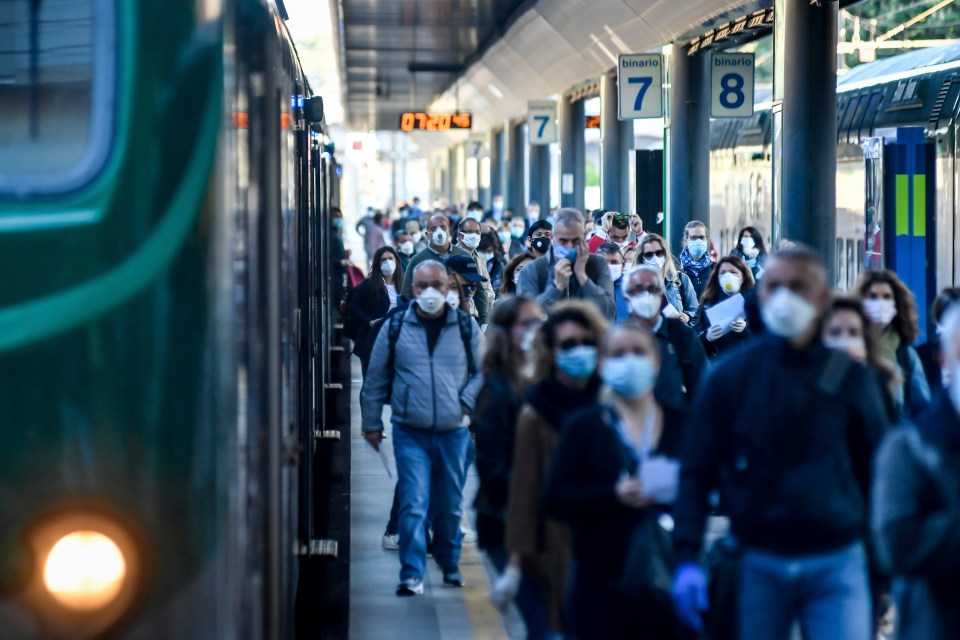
(683, 360)
(786, 429)
(916, 508)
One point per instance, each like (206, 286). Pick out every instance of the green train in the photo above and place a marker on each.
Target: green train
(167, 346)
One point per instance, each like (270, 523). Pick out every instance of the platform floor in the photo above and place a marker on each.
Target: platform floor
(441, 612)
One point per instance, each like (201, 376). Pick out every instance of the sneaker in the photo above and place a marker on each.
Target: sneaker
(452, 578)
(467, 536)
(390, 542)
(410, 587)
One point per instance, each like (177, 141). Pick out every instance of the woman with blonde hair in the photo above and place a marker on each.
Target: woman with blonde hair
(564, 378)
(680, 292)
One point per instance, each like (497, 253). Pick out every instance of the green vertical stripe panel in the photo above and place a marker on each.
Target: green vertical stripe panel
(903, 205)
(920, 205)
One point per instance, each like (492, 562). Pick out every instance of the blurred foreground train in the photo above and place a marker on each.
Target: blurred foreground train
(918, 89)
(170, 373)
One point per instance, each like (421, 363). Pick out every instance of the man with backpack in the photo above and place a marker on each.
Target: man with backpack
(683, 360)
(786, 429)
(424, 363)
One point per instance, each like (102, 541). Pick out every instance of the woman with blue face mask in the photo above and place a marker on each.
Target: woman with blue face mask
(615, 470)
(564, 379)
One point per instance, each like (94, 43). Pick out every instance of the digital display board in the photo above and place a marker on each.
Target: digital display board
(593, 122)
(420, 121)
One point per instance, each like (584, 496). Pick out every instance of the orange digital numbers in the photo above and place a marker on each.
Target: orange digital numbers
(420, 121)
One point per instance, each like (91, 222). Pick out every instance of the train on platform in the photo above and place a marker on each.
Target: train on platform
(167, 340)
(916, 89)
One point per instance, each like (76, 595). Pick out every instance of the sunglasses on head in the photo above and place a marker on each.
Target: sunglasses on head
(570, 343)
(659, 253)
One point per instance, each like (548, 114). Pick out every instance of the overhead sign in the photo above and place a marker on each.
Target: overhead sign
(542, 121)
(640, 84)
(418, 120)
(476, 146)
(731, 82)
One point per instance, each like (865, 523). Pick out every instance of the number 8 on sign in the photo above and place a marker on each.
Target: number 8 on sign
(731, 80)
(640, 82)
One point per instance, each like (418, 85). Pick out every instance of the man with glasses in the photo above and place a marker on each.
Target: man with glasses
(683, 360)
(440, 248)
(695, 258)
(424, 362)
(569, 271)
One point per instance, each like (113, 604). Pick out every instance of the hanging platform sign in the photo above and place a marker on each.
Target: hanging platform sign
(640, 85)
(731, 85)
(542, 122)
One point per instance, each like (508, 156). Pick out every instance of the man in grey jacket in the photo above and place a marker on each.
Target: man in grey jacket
(569, 271)
(431, 385)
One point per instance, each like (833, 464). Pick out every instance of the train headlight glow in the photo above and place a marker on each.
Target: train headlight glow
(85, 571)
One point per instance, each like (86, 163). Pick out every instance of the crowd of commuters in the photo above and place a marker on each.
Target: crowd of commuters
(699, 446)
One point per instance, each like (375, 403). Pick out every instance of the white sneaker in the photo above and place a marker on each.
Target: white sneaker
(410, 587)
(390, 542)
(468, 536)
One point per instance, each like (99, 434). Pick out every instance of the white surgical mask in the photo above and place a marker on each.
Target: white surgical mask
(470, 240)
(854, 347)
(486, 255)
(453, 299)
(656, 261)
(730, 283)
(439, 237)
(388, 267)
(516, 277)
(748, 244)
(616, 270)
(646, 305)
(623, 245)
(786, 314)
(430, 300)
(417, 236)
(880, 311)
(406, 247)
(630, 375)
(475, 214)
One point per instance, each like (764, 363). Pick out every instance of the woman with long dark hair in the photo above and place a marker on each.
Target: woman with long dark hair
(491, 251)
(511, 273)
(751, 250)
(894, 323)
(374, 298)
(730, 277)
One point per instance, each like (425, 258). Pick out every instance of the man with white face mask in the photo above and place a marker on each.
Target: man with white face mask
(683, 360)
(786, 429)
(468, 239)
(425, 363)
(440, 248)
(915, 520)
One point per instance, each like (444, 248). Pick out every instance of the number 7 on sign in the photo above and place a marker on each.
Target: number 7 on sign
(543, 120)
(644, 83)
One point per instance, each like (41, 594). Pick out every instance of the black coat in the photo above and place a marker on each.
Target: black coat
(682, 364)
(929, 353)
(787, 435)
(494, 423)
(916, 521)
(730, 341)
(365, 306)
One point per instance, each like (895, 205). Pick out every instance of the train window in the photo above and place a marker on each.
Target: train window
(56, 93)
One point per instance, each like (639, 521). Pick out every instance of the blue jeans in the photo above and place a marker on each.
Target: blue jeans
(827, 593)
(531, 601)
(431, 472)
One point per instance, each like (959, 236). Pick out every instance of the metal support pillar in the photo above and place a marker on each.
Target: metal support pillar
(573, 169)
(517, 190)
(452, 176)
(539, 189)
(809, 128)
(617, 144)
(689, 142)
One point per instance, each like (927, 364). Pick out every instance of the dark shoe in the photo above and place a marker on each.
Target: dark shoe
(410, 587)
(452, 578)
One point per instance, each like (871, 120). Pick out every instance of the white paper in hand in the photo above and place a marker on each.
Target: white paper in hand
(724, 313)
(386, 461)
(670, 311)
(660, 479)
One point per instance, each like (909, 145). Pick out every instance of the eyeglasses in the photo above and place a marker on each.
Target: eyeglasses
(570, 343)
(650, 255)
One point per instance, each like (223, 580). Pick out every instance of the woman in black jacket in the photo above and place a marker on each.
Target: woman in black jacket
(730, 277)
(750, 249)
(615, 466)
(491, 251)
(512, 326)
(373, 298)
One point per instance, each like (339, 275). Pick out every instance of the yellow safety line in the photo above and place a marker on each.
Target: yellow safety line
(485, 620)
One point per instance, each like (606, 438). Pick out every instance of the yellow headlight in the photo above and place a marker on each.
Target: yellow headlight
(85, 570)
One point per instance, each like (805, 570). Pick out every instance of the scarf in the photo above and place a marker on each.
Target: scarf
(555, 401)
(688, 263)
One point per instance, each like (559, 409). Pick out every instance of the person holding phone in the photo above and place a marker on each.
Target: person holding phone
(569, 271)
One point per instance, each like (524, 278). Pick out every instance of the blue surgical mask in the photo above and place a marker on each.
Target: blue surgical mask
(563, 252)
(578, 362)
(337, 223)
(697, 248)
(475, 214)
(630, 375)
(504, 236)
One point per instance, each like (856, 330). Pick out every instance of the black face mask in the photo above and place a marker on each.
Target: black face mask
(541, 244)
